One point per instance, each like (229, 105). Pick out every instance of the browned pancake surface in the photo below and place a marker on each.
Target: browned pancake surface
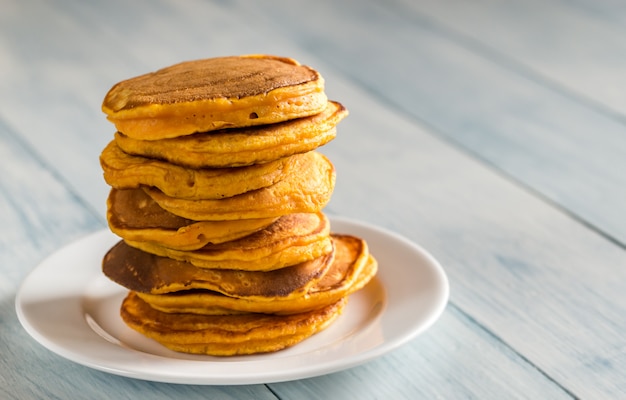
(222, 77)
(147, 273)
(353, 267)
(215, 93)
(134, 216)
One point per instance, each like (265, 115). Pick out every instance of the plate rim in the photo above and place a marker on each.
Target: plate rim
(263, 376)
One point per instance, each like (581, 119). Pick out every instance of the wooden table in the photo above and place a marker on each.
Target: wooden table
(492, 133)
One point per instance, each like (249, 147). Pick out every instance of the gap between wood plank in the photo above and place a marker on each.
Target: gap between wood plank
(505, 344)
(511, 178)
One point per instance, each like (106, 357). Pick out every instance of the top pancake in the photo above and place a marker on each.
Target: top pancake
(208, 94)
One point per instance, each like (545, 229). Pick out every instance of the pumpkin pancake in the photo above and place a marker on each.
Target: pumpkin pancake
(124, 171)
(306, 189)
(147, 273)
(209, 94)
(353, 267)
(134, 216)
(225, 335)
(239, 147)
(292, 239)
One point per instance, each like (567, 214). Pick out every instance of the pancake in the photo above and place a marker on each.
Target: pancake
(225, 335)
(147, 273)
(124, 171)
(306, 189)
(214, 93)
(353, 267)
(240, 147)
(133, 215)
(292, 239)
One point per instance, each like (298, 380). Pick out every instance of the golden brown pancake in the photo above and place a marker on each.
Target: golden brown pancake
(306, 189)
(292, 239)
(209, 94)
(225, 335)
(124, 171)
(147, 273)
(352, 268)
(134, 216)
(239, 147)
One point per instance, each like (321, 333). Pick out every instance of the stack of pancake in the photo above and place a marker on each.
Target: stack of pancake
(217, 194)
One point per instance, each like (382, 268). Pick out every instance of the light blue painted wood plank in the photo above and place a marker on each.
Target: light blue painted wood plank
(37, 212)
(441, 364)
(555, 145)
(577, 46)
(51, 84)
(610, 11)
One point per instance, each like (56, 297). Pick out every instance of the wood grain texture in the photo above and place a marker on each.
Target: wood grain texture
(517, 265)
(576, 47)
(552, 143)
(455, 343)
(469, 134)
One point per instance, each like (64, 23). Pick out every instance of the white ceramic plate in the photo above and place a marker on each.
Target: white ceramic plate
(68, 306)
